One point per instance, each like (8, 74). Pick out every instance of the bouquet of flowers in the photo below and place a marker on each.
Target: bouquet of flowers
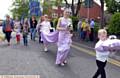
(70, 28)
(109, 45)
(112, 45)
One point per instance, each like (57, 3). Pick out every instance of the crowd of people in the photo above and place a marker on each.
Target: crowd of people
(23, 29)
(85, 29)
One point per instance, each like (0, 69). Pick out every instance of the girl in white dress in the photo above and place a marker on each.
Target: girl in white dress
(45, 29)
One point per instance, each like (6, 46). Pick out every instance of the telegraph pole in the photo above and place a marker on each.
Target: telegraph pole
(88, 10)
(102, 13)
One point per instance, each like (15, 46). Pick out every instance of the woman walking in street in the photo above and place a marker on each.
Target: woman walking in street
(8, 27)
(45, 30)
(64, 38)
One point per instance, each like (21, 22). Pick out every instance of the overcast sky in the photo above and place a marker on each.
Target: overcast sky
(4, 6)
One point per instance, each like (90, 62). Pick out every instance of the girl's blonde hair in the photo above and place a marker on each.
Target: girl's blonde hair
(102, 31)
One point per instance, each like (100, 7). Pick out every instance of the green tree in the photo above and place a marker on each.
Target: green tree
(74, 7)
(112, 6)
(114, 25)
(58, 2)
(20, 8)
(47, 5)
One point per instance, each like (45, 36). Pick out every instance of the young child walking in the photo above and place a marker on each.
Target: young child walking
(17, 28)
(25, 32)
(101, 57)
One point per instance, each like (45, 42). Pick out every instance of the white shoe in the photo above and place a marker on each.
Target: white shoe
(62, 64)
(65, 62)
(45, 49)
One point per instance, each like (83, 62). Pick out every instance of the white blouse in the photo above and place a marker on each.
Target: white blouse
(17, 26)
(101, 56)
(45, 27)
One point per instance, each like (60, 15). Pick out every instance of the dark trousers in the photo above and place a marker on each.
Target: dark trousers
(25, 40)
(84, 35)
(39, 37)
(100, 70)
(33, 33)
(92, 34)
(8, 36)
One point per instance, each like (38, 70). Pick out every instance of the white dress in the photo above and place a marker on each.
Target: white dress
(45, 27)
(17, 27)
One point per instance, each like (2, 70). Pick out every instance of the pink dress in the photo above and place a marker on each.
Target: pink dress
(64, 41)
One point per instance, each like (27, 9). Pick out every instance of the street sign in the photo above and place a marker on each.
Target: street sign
(35, 8)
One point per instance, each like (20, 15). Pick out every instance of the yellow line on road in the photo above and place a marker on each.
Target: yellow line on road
(112, 61)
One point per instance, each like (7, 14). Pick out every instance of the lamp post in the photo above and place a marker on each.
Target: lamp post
(102, 13)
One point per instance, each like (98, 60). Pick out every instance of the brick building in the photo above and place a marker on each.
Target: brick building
(93, 12)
